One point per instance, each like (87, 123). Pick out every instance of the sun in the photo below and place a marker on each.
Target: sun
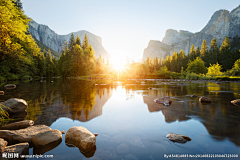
(118, 63)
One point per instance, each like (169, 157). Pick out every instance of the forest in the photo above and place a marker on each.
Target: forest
(22, 58)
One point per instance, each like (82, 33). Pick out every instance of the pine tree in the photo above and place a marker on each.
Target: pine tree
(197, 52)
(192, 53)
(225, 55)
(85, 42)
(204, 48)
(182, 61)
(78, 41)
(49, 56)
(71, 44)
(213, 51)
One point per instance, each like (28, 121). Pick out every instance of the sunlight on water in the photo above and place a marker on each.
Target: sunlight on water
(126, 115)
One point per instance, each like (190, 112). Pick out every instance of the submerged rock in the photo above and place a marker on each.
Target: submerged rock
(47, 137)
(194, 96)
(3, 144)
(204, 99)
(14, 105)
(46, 148)
(178, 138)
(236, 102)
(18, 125)
(23, 135)
(123, 148)
(10, 86)
(21, 149)
(81, 138)
(218, 82)
(165, 100)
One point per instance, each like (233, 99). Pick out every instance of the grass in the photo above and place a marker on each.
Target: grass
(4, 116)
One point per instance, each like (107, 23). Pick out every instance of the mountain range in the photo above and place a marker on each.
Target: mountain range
(222, 23)
(47, 37)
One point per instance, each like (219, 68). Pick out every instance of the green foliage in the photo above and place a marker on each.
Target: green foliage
(213, 52)
(204, 48)
(192, 76)
(77, 61)
(196, 66)
(26, 77)
(192, 53)
(71, 43)
(85, 42)
(226, 58)
(237, 64)
(12, 76)
(2, 79)
(78, 41)
(214, 70)
(17, 49)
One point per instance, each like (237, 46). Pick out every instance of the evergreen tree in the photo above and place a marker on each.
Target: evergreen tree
(197, 52)
(204, 52)
(71, 44)
(78, 41)
(213, 51)
(225, 55)
(85, 42)
(182, 61)
(192, 53)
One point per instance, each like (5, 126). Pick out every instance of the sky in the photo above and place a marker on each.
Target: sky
(125, 26)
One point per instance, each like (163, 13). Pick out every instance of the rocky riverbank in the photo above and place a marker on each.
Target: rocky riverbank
(18, 137)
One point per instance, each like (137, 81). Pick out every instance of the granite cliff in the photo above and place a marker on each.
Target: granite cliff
(222, 23)
(51, 39)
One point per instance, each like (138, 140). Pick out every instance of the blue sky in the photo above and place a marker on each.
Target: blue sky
(126, 26)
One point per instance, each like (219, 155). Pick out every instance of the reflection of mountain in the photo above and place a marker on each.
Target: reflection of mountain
(75, 110)
(221, 120)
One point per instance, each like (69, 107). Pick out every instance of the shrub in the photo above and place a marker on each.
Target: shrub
(2, 79)
(192, 76)
(12, 77)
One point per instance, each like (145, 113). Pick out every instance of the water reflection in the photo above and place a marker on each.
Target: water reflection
(47, 101)
(131, 116)
(220, 117)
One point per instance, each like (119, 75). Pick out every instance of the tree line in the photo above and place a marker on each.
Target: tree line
(20, 56)
(212, 61)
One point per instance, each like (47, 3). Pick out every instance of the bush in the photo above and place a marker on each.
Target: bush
(192, 76)
(26, 77)
(2, 79)
(12, 77)
(203, 76)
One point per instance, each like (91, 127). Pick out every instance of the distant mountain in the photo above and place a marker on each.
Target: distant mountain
(48, 37)
(222, 23)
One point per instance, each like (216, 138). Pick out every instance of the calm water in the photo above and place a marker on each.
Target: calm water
(129, 123)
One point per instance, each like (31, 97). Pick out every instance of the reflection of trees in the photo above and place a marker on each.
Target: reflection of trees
(78, 96)
(220, 118)
(47, 101)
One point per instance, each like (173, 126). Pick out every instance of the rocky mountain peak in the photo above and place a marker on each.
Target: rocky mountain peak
(54, 41)
(222, 23)
(218, 25)
(173, 37)
(236, 11)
